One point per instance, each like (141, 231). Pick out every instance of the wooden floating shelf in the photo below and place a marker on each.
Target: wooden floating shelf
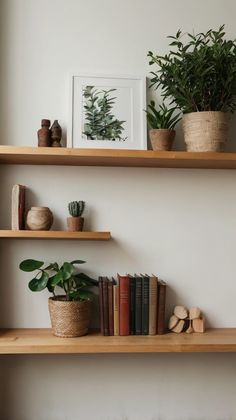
(55, 234)
(41, 341)
(109, 157)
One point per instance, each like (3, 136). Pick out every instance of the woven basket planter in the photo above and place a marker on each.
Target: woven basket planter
(161, 139)
(69, 319)
(205, 131)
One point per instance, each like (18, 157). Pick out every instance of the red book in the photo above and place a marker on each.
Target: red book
(124, 289)
(105, 305)
(101, 309)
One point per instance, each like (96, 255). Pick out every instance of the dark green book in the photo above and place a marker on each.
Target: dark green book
(145, 305)
(132, 305)
(138, 305)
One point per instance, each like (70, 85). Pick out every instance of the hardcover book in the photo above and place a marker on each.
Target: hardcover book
(145, 305)
(138, 305)
(124, 288)
(116, 309)
(110, 308)
(18, 207)
(105, 305)
(161, 307)
(153, 305)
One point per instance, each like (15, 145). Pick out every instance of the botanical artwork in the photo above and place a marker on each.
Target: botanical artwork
(100, 123)
(107, 112)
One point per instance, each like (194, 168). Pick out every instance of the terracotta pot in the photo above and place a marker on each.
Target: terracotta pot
(69, 319)
(75, 224)
(205, 131)
(161, 139)
(44, 134)
(39, 218)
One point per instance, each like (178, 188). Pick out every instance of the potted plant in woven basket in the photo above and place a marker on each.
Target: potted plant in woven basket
(69, 312)
(199, 76)
(161, 124)
(76, 222)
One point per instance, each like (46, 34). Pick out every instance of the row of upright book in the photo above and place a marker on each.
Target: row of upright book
(132, 305)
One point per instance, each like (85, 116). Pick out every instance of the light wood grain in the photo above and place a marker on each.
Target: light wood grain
(41, 341)
(109, 157)
(55, 234)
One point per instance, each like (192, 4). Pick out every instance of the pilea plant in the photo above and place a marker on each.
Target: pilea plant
(76, 208)
(199, 72)
(76, 286)
(162, 117)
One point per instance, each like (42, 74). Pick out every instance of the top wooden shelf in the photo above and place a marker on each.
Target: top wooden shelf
(109, 157)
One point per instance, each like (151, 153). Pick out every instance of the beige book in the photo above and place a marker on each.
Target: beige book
(116, 309)
(153, 305)
(17, 207)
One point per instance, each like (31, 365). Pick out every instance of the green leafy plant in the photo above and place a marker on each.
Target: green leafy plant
(76, 286)
(162, 118)
(76, 208)
(198, 74)
(100, 123)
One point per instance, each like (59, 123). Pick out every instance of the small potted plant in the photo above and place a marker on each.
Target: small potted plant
(161, 126)
(75, 222)
(199, 76)
(69, 312)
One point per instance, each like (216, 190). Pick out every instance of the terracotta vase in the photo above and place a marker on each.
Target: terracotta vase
(44, 134)
(75, 224)
(161, 139)
(39, 218)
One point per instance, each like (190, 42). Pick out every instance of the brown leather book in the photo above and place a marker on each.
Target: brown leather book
(116, 309)
(105, 305)
(161, 307)
(101, 308)
(124, 288)
(152, 305)
(110, 308)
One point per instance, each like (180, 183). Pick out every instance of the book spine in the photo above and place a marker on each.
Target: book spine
(132, 305)
(161, 307)
(152, 305)
(110, 308)
(116, 309)
(138, 306)
(101, 306)
(124, 288)
(105, 306)
(21, 209)
(145, 305)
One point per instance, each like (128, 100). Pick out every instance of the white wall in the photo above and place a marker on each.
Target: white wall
(179, 224)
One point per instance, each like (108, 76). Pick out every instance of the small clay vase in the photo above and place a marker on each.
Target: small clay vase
(56, 134)
(75, 224)
(44, 134)
(161, 139)
(39, 218)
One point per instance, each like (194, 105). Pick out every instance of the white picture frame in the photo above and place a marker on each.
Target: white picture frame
(107, 112)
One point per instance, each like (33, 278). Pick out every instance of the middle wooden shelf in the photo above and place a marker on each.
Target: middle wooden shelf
(55, 234)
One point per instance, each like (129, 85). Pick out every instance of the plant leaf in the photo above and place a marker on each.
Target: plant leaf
(39, 284)
(30, 265)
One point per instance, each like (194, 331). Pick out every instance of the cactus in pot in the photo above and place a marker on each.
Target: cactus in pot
(75, 222)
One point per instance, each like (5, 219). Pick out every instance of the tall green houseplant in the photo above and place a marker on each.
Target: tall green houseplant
(199, 76)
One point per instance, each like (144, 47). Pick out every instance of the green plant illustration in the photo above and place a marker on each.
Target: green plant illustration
(100, 123)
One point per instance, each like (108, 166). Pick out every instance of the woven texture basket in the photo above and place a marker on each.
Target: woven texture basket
(205, 131)
(69, 319)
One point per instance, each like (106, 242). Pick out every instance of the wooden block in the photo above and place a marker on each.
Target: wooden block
(199, 325)
(194, 313)
(179, 327)
(190, 329)
(181, 312)
(173, 321)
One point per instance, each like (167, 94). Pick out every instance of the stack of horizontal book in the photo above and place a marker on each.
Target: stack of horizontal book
(132, 305)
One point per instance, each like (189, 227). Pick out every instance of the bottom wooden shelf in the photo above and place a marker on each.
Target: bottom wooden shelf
(41, 341)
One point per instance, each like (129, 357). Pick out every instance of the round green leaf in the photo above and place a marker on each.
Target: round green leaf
(77, 262)
(30, 265)
(38, 284)
(55, 280)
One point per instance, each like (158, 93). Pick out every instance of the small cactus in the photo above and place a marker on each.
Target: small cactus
(76, 208)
